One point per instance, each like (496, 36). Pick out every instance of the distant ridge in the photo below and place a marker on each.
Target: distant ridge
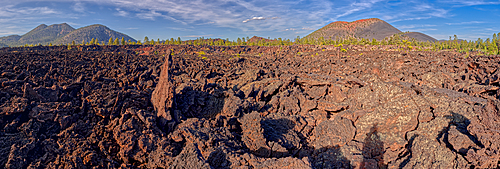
(45, 34)
(256, 39)
(97, 31)
(372, 28)
(63, 34)
(420, 36)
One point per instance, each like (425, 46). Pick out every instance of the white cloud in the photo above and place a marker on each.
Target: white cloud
(471, 3)
(151, 15)
(17, 20)
(121, 12)
(11, 11)
(238, 14)
(181, 29)
(421, 29)
(414, 26)
(254, 18)
(357, 6)
(465, 23)
(198, 36)
(79, 7)
(409, 19)
(413, 10)
(290, 29)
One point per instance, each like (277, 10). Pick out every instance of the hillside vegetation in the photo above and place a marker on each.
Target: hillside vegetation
(58, 34)
(99, 32)
(45, 34)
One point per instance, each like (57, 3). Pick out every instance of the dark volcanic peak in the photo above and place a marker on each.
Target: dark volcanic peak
(259, 39)
(354, 24)
(372, 28)
(96, 31)
(364, 28)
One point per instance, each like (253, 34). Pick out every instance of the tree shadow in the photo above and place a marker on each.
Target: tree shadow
(373, 150)
(330, 157)
(408, 154)
(194, 103)
(279, 134)
(460, 123)
(218, 159)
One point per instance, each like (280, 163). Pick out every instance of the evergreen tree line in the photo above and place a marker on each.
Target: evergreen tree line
(488, 46)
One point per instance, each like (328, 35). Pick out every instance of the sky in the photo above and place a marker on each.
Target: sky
(190, 19)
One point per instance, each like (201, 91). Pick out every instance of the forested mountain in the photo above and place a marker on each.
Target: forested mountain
(63, 34)
(99, 32)
(45, 34)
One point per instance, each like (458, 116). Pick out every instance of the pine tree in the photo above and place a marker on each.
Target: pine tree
(73, 43)
(116, 42)
(123, 41)
(110, 41)
(146, 40)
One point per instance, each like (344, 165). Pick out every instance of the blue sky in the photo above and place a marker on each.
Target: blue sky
(189, 19)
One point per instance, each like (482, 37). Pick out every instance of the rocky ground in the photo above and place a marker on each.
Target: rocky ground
(247, 107)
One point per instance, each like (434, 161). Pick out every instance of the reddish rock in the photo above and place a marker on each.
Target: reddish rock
(163, 95)
(331, 133)
(253, 134)
(270, 107)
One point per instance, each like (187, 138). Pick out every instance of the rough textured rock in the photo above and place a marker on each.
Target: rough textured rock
(333, 133)
(253, 134)
(190, 157)
(167, 106)
(163, 95)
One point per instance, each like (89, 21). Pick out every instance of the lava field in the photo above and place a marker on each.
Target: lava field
(183, 106)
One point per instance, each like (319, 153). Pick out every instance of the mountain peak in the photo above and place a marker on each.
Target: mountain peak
(371, 28)
(363, 28)
(355, 24)
(95, 31)
(39, 27)
(63, 34)
(96, 25)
